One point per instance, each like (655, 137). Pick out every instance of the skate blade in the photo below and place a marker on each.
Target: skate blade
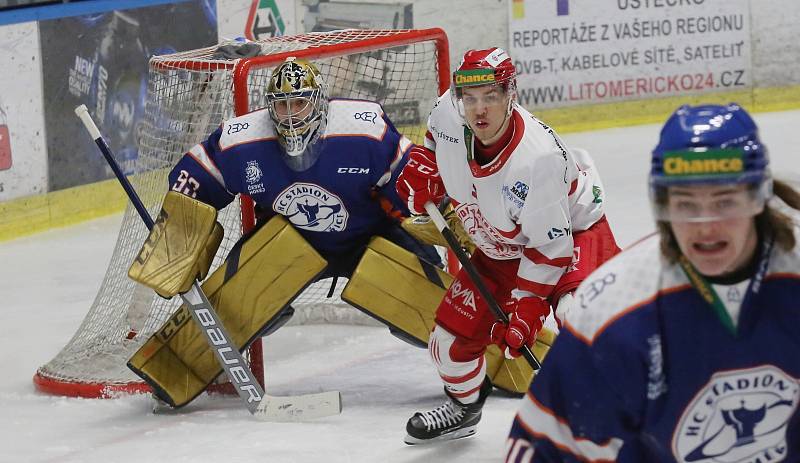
(457, 434)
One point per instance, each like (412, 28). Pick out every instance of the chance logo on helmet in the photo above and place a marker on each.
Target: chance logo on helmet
(709, 163)
(476, 77)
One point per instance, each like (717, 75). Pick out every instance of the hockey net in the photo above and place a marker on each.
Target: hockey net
(188, 95)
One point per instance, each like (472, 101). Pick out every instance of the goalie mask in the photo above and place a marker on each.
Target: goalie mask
(708, 146)
(484, 83)
(298, 104)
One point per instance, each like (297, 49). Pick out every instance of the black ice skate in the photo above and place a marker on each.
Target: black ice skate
(451, 420)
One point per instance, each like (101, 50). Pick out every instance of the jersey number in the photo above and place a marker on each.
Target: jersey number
(186, 184)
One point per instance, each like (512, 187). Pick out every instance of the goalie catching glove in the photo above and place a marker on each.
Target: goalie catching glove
(525, 320)
(180, 247)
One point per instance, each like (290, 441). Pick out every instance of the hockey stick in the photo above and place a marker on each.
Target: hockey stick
(261, 405)
(452, 241)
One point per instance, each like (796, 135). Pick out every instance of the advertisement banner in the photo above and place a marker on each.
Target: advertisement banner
(264, 20)
(578, 52)
(256, 19)
(23, 159)
(101, 60)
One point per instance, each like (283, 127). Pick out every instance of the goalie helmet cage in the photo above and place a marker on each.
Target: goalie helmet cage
(188, 95)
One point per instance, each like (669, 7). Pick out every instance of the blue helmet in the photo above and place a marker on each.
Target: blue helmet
(709, 144)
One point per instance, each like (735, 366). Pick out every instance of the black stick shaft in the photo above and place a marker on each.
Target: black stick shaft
(83, 113)
(476, 278)
(126, 184)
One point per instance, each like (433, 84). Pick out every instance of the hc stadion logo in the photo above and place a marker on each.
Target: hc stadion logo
(739, 417)
(311, 207)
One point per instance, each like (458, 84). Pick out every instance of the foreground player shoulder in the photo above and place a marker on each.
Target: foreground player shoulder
(355, 118)
(622, 285)
(249, 128)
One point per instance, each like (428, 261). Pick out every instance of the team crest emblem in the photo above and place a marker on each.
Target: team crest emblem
(740, 416)
(311, 207)
(253, 175)
(484, 235)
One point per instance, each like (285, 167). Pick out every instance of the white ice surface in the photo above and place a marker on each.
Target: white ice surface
(48, 281)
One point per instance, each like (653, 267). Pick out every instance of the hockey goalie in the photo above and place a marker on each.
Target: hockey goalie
(322, 173)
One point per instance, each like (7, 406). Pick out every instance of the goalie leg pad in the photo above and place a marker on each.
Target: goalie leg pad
(250, 291)
(397, 288)
(515, 375)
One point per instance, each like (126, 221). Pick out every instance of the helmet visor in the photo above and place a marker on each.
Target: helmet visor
(707, 184)
(709, 202)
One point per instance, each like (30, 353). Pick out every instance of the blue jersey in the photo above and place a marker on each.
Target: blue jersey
(346, 196)
(646, 371)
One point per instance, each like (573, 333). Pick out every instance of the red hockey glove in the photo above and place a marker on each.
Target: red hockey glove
(419, 182)
(525, 320)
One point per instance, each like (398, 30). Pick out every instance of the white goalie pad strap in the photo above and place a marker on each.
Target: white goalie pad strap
(462, 379)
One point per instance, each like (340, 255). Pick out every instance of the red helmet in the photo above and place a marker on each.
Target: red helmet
(485, 67)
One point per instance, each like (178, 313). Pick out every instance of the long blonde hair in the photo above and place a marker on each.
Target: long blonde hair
(770, 220)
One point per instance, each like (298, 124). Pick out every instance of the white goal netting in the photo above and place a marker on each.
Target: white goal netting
(188, 95)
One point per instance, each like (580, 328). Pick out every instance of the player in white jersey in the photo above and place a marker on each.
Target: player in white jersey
(534, 209)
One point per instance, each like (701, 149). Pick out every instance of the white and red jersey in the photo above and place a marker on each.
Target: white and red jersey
(527, 202)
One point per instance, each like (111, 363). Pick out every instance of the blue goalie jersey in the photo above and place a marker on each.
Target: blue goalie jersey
(345, 197)
(645, 371)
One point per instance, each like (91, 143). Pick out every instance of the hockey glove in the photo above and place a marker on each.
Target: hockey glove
(525, 320)
(419, 182)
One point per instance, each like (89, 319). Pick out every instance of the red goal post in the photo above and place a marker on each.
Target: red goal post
(188, 95)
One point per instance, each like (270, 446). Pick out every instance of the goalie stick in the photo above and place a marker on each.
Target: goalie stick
(261, 405)
(452, 241)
